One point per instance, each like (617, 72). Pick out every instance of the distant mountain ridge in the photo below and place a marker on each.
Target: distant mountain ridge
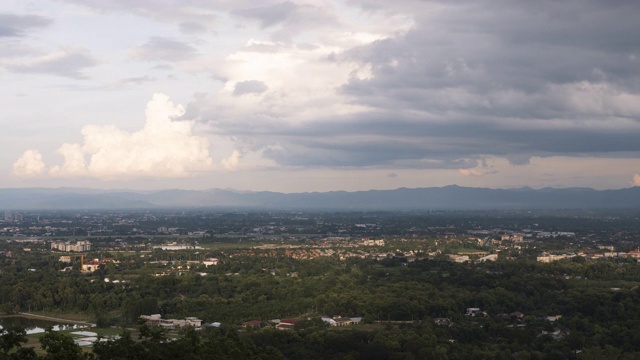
(451, 197)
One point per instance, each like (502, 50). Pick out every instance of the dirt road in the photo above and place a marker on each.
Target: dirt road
(50, 318)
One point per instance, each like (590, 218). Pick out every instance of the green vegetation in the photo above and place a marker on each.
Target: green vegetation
(595, 317)
(412, 304)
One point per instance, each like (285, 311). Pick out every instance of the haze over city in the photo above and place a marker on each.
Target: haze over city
(310, 95)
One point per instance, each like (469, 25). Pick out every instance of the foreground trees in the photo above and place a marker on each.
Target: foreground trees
(417, 341)
(56, 345)
(11, 342)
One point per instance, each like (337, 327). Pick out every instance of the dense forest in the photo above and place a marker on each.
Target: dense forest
(567, 309)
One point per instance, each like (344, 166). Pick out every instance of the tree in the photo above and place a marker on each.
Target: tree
(61, 347)
(11, 345)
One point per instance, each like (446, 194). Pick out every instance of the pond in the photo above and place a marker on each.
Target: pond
(35, 326)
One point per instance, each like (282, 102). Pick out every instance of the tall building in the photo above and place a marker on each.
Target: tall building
(77, 246)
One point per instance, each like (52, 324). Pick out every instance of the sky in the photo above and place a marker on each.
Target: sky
(319, 95)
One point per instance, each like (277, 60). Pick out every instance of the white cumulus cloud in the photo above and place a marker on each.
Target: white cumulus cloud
(231, 163)
(30, 164)
(164, 147)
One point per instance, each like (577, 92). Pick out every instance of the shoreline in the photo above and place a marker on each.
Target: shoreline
(48, 318)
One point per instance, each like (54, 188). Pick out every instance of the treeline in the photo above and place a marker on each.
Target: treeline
(599, 304)
(484, 340)
(246, 288)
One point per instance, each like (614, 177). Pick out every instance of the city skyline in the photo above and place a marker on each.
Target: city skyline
(299, 96)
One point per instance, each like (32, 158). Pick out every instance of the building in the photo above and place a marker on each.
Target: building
(157, 320)
(68, 246)
(255, 324)
(329, 321)
(458, 258)
(475, 312)
(634, 253)
(443, 321)
(91, 265)
(192, 321)
(210, 261)
(343, 321)
(287, 324)
(490, 257)
(549, 257)
(368, 242)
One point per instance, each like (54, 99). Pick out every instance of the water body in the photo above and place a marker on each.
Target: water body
(36, 326)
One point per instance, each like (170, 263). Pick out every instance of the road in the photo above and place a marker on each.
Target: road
(50, 318)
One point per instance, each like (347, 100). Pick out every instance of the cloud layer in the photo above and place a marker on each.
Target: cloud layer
(164, 147)
(491, 92)
(463, 83)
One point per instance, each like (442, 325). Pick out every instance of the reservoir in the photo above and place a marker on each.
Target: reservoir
(35, 326)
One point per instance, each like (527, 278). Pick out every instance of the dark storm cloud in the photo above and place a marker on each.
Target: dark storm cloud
(471, 80)
(524, 45)
(412, 142)
(509, 80)
(12, 25)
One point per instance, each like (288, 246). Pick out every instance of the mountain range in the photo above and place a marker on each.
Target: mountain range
(451, 197)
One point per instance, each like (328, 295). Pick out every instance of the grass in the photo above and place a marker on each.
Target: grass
(33, 340)
(110, 331)
(468, 251)
(216, 246)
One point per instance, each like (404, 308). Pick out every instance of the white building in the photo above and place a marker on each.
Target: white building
(368, 242)
(549, 257)
(77, 246)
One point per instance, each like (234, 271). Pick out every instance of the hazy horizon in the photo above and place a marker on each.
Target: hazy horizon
(142, 190)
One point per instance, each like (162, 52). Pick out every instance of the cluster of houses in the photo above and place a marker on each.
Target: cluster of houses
(88, 266)
(280, 324)
(475, 312)
(546, 257)
(512, 237)
(553, 257)
(289, 324)
(370, 242)
(465, 258)
(157, 320)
